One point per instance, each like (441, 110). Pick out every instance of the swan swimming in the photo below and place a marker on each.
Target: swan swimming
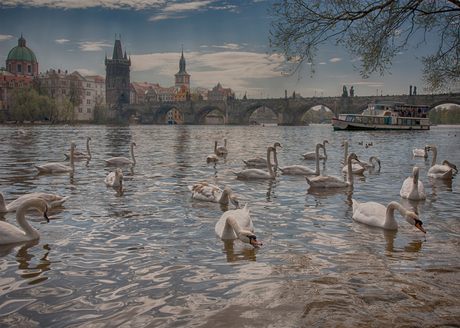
(222, 150)
(355, 167)
(300, 169)
(314, 155)
(443, 171)
(260, 161)
(378, 215)
(57, 167)
(420, 153)
(211, 193)
(50, 199)
(370, 164)
(237, 224)
(79, 154)
(412, 188)
(11, 234)
(114, 179)
(329, 181)
(213, 158)
(123, 160)
(258, 173)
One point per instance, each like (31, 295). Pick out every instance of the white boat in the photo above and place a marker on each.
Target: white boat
(385, 116)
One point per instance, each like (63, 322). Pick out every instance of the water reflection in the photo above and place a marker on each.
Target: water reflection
(412, 205)
(245, 253)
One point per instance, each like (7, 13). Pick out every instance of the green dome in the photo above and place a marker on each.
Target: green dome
(22, 53)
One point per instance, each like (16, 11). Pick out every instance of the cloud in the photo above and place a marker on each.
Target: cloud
(174, 10)
(86, 72)
(322, 63)
(85, 4)
(234, 69)
(231, 46)
(4, 37)
(93, 46)
(61, 41)
(335, 60)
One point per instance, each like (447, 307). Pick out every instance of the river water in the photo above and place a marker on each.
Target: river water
(149, 257)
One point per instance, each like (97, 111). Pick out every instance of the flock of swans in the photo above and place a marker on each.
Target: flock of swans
(237, 223)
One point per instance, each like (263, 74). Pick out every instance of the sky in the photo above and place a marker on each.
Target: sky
(224, 42)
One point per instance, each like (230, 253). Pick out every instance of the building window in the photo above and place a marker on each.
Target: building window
(19, 68)
(29, 69)
(88, 110)
(9, 68)
(11, 83)
(63, 91)
(88, 85)
(80, 110)
(88, 101)
(88, 93)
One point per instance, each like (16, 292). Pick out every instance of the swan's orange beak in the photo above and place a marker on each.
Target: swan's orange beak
(254, 242)
(418, 224)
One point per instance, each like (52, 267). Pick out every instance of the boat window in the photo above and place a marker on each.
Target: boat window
(376, 120)
(382, 120)
(350, 118)
(358, 119)
(365, 119)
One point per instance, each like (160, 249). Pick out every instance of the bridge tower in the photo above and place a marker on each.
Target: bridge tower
(182, 77)
(117, 81)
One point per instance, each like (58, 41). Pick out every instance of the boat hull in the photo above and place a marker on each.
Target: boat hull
(346, 125)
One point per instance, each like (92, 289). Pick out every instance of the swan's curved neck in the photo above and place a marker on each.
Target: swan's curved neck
(87, 148)
(72, 150)
(350, 179)
(317, 157)
(22, 222)
(132, 154)
(390, 220)
(215, 147)
(224, 198)
(345, 146)
(3, 208)
(324, 149)
(231, 221)
(269, 163)
(435, 152)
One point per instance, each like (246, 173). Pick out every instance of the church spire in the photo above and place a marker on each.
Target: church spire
(182, 64)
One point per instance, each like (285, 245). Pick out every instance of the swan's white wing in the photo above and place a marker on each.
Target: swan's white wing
(420, 153)
(258, 161)
(440, 172)
(297, 170)
(10, 234)
(118, 161)
(53, 168)
(243, 219)
(327, 181)
(110, 179)
(355, 168)
(370, 213)
(206, 192)
(252, 174)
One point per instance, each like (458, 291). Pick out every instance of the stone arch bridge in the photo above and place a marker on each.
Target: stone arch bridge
(288, 110)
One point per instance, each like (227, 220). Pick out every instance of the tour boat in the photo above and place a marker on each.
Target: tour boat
(385, 116)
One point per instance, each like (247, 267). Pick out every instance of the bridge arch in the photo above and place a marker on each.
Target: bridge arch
(247, 112)
(200, 116)
(301, 111)
(160, 114)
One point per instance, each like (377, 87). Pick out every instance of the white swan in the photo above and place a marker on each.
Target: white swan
(420, 153)
(370, 164)
(51, 199)
(57, 167)
(355, 167)
(211, 193)
(237, 224)
(313, 154)
(258, 173)
(123, 160)
(259, 161)
(300, 169)
(79, 154)
(329, 181)
(412, 188)
(11, 234)
(213, 158)
(222, 150)
(443, 171)
(114, 179)
(378, 215)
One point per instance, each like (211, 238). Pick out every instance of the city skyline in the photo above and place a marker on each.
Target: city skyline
(223, 42)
